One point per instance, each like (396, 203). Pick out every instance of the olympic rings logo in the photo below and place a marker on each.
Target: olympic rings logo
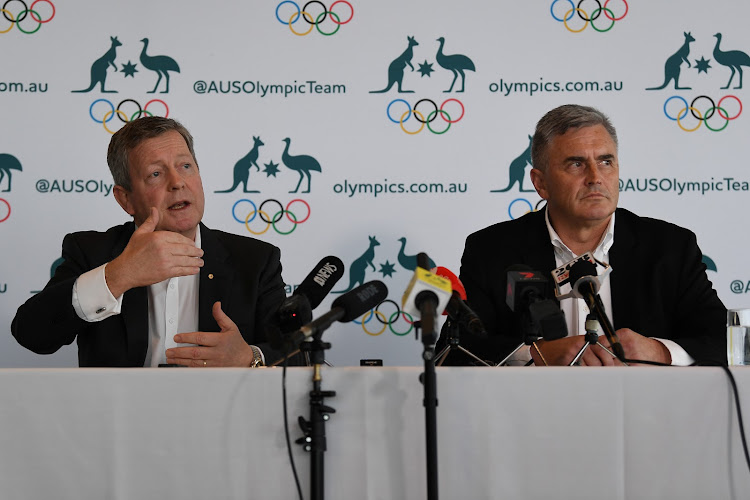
(26, 12)
(595, 14)
(314, 20)
(386, 321)
(514, 214)
(713, 109)
(4, 218)
(271, 221)
(122, 115)
(420, 116)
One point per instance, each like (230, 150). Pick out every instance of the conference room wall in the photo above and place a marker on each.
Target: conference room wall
(231, 55)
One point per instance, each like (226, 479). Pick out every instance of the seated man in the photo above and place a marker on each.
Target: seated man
(163, 289)
(657, 296)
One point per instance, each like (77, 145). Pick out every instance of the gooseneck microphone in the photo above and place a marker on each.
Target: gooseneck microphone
(585, 283)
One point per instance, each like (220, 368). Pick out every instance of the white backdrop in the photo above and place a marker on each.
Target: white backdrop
(244, 74)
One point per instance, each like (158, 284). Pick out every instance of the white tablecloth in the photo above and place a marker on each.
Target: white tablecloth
(619, 433)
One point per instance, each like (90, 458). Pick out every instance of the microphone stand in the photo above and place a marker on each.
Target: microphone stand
(427, 303)
(592, 338)
(314, 429)
(454, 342)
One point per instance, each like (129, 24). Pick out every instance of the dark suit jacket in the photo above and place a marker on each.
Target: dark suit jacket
(243, 273)
(659, 284)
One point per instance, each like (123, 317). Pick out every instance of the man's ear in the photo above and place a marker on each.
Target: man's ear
(122, 196)
(537, 178)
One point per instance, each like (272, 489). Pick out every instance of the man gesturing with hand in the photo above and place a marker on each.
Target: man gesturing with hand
(163, 288)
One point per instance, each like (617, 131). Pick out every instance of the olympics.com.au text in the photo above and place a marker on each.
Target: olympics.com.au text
(375, 189)
(510, 87)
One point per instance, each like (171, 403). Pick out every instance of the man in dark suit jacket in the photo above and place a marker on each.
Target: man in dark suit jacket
(662, 302)
(104, 293)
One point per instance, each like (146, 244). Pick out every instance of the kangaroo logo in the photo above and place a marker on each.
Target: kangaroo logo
(8, 163)
(303, 164)
(242, 168)
(733, 59)
(672, 66)
(100, 66)
(396, 68)
(455, 63)
(359, 266)
(409, 262)
(162, 65)
(517, 171)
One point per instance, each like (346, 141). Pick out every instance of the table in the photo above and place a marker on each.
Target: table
(504, 433)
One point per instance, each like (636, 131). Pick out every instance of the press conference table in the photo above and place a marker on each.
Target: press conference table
(508, 433)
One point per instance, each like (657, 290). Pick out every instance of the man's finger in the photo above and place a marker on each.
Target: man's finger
(207, 339)
(224, 321)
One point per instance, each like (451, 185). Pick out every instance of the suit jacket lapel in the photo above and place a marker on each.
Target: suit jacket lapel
(623, 260)
(540, 255)
(215, 279)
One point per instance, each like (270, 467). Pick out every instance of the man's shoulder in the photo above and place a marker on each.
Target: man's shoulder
(510, 229)
(92, 238)
(237, 243)
(649, 226)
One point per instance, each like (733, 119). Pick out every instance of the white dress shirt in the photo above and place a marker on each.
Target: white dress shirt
(172, 307)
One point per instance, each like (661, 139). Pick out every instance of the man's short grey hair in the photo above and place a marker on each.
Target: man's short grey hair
(134, 133)
(557, 122)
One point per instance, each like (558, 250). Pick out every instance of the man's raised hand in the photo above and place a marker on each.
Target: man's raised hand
(152, 256)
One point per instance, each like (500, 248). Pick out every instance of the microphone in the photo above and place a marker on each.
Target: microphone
(320, 281)
(457, 309)
(586, 285)
(562, 277)
(345, 308)
(426, 294)
(296, 310)
(528, 294)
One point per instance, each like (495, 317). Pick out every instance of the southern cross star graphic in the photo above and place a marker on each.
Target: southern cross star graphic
(128, 69)
(425, 68)
(271, 169)
(702, 66)
(387, 269)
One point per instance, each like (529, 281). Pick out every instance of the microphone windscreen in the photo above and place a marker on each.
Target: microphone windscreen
(357, 302)
(423, 261)
(456, 284)
(320, 281)
(580, 269)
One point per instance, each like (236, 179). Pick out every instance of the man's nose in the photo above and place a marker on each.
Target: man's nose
(593, 174)
(175, 179)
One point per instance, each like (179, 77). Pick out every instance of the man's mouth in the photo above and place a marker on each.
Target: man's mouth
(179, 206)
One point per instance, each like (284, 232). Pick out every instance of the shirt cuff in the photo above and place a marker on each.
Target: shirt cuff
(679, 356)
(92, 299)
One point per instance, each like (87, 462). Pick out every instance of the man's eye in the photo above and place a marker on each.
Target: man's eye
(155, 174)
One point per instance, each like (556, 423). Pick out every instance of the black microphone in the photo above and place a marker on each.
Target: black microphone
(528, 293)
(296, 310)
(586, 284)
(345, 308)
(320, 281)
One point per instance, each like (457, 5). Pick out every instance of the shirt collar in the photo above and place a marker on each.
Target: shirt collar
(566, 254)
